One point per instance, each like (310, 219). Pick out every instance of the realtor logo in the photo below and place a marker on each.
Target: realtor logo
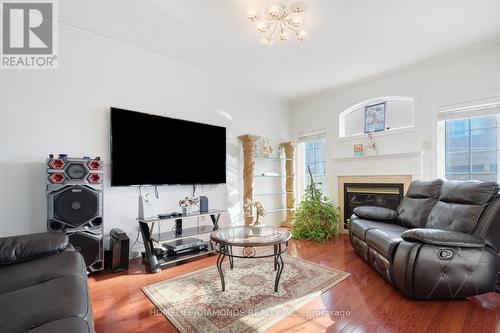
(28, 34)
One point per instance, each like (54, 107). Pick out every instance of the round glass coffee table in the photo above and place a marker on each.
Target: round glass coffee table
(248, 238)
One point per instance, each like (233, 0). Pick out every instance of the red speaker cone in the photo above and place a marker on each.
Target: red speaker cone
(94, 178)
(57, 178)
(57, 164)
(94, 165)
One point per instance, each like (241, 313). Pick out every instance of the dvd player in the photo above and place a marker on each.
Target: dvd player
(178, 245)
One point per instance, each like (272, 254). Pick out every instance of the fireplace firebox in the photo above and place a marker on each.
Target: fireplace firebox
(386, 195)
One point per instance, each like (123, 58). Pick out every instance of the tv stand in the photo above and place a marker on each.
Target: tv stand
(149, 237)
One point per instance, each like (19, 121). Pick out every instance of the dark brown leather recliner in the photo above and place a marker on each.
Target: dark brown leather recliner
(43, 285)
(441, 243)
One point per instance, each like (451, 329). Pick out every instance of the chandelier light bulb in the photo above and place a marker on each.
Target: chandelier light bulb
(302, 35)
(262, 26)
(267, 41)
(297, 7)
(275, 11)
(296, 20)
(252, 15)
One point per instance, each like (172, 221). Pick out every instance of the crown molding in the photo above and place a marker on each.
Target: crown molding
(436, 59)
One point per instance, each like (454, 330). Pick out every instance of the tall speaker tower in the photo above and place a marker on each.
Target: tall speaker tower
(75, 204)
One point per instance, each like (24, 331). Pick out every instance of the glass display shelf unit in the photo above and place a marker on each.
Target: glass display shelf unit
(271, 193)
(272, 158)
(276, 210)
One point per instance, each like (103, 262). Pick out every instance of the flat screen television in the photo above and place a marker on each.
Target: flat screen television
(154, 150)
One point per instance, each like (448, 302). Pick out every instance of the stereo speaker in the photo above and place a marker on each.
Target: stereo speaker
(75, 204)
(119, 250)
(203, 204)
(90, 245)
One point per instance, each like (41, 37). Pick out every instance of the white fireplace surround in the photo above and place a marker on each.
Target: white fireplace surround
(397, 164)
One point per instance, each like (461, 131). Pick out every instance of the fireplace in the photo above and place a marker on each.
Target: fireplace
(386, 195)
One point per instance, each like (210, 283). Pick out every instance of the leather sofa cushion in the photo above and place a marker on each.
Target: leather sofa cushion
(385, 240)
(25, 247)
(416, 206)
(29, 273)
(375, 213)
(443, 238)
(461, 204)
(72, 324)
(359, 226)
(28, 308)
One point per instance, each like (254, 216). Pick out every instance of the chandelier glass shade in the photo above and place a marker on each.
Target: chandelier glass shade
(280, 22)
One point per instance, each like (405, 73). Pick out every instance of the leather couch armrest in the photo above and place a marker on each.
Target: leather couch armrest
(24, 247)
(443, 238)
(375, 213)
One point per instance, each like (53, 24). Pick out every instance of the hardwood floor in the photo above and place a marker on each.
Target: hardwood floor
(373, 305)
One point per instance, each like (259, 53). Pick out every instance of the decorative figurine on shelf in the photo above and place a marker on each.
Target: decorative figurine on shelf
(266, 149)
(187, 205)
(257, 209)
(371, 147)
(358, 149)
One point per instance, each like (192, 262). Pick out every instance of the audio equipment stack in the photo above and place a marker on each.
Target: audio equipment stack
(75, 205)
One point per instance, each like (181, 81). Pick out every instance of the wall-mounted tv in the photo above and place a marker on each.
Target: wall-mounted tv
(154, 150)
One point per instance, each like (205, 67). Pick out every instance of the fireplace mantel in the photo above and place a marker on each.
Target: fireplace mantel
(383, 164)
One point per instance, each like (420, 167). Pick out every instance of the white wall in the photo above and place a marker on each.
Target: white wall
(470, 75)
(67, 111)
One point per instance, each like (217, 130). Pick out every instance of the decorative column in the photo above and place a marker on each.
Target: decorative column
(289, 148)
(248, 141)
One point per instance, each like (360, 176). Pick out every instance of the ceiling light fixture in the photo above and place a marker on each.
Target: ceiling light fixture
(279, 21)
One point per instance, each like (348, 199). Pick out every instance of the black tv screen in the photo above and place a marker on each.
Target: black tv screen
(154, 150)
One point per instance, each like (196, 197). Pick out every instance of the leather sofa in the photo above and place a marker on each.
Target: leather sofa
(442, 242)
(43, 285)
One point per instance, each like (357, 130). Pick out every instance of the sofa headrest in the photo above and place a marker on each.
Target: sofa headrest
(468, 192)
(425, 189)
(461, 204)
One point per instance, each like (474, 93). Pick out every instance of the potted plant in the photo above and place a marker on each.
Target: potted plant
(187, 205)
(257, 209)
(316, 216)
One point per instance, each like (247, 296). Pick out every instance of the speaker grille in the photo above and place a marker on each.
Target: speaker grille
(88, 245)
(76, 205)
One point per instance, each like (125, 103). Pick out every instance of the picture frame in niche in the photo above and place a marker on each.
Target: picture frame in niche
(375, 117)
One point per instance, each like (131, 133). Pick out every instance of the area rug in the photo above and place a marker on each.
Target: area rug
(194, 302)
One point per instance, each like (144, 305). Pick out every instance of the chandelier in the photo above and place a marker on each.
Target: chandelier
(279, 22)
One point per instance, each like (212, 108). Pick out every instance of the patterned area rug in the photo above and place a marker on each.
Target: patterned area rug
(195, 303)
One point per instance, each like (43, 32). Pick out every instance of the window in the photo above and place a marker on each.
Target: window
(468, 140)
(399, 113)
(471, 148)
(313, 156)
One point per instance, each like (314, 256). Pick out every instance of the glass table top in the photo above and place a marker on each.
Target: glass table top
(251, 236)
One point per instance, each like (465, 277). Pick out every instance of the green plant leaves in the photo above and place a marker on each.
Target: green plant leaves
(316, 217)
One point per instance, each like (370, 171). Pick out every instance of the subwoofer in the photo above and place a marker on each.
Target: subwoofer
(90, 245)
(75, 204)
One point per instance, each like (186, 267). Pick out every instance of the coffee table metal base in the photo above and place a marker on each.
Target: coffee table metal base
(227, 251)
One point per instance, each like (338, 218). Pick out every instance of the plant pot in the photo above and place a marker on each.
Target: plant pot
(256, 230)
(187, 210)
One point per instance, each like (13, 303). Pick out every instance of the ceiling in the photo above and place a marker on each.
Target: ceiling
(350, 39)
